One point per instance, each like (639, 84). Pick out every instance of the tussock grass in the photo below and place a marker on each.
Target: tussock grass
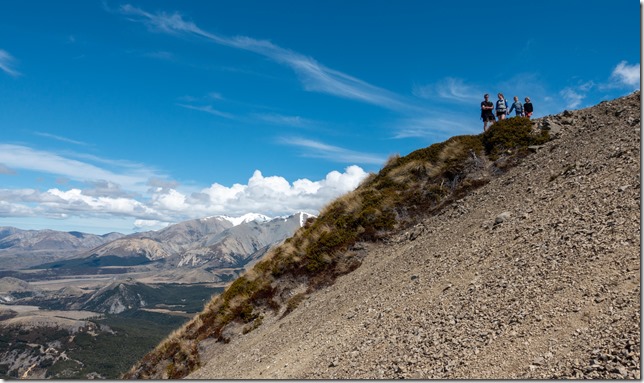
(406, 189)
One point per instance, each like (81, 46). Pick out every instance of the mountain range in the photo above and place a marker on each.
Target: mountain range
(213, 242)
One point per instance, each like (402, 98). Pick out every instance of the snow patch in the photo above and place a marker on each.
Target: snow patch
(304, 216)
(247, 218)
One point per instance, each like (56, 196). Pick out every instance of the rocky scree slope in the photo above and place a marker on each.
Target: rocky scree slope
(535, 274)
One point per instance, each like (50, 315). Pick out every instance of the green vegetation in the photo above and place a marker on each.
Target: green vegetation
(292, 303)
(139, 330)
(95, 261)
(107, 353)
(180, 297)
(511, 134)
(406, 189)
(118, 341)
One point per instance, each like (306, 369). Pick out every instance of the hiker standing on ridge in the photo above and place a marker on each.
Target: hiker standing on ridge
(501, 107)
(528, 107)
(517, 107)
(486, 112)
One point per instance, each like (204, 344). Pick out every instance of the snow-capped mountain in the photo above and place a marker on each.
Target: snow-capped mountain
(243, 243)
(246, 218)
(213, 242)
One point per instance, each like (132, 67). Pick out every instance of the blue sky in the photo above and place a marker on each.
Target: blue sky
(126, 116)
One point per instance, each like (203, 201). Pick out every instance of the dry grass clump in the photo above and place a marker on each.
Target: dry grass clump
(405, 189)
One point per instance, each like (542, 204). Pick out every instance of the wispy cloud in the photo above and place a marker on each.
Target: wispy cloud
(313, 75)
(279, 119)
(208, 109)
(623, 76)
(60, 138)
(7, 63)
(575, 95)
(450, 89)
(572, 96)
(435, 127)
(161, 55)
(319, 149)
(26, 158)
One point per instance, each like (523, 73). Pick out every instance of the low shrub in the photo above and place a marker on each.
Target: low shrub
(292, 303)
(511, 134)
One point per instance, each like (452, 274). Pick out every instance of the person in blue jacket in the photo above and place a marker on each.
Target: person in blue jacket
(517, 107)
(501, 107)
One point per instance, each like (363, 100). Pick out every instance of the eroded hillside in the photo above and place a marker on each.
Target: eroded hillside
(467, 259)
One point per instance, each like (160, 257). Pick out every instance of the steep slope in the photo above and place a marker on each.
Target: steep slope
(535, 274)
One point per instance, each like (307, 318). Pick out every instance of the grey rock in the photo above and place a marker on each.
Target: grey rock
(502, 217)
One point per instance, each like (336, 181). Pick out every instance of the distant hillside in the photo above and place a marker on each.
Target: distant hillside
(208, 243)
(509, 254)
(12, 238)
(24, 248)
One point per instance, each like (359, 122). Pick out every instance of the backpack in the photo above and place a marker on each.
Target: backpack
(501, 106)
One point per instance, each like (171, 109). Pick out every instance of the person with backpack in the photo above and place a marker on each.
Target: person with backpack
(486, 112)
(501, 107)
(517, 107)
(528, 107)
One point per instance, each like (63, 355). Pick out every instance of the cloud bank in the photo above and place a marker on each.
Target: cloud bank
(109, 194)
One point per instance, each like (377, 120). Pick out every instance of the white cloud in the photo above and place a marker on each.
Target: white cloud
(9, 209)
(149, 224)
(274, 195)
(75, 201)
(626, 75)
(7, 63)
(169, 200)
(268, 195)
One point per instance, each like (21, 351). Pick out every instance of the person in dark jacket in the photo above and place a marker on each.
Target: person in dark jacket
(527, 107)
(486, 112)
